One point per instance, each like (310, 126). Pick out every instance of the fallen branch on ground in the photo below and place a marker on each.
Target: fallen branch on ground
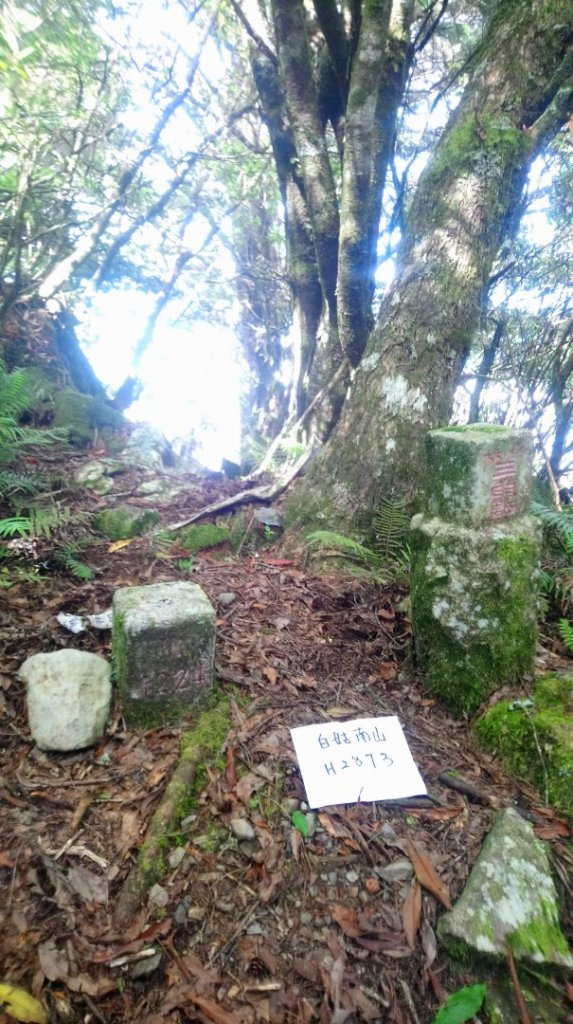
(263, 494)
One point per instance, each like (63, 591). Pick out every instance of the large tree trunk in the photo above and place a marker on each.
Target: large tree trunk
(519, 93)
(329, 98)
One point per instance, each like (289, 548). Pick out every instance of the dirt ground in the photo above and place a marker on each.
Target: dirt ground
(335, 926)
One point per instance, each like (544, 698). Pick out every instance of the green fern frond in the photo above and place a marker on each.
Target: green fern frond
(16, 526)
(566, 631)
(390, 525)
(342, 545)
(68, 558)
(47, 519)
(560, 522)
(15, 391)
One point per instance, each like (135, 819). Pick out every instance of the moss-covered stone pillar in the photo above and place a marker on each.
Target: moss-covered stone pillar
(474, 568)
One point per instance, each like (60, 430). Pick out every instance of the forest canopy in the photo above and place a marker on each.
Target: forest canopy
(375, 194)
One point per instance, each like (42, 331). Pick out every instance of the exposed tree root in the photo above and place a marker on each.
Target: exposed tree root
(263, 494)
(149, 865)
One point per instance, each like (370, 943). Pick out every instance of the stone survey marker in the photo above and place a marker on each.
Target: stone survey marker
(163, 650)
(474, 573)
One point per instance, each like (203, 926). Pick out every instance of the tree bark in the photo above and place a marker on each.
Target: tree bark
(348, 75)
(519, 91)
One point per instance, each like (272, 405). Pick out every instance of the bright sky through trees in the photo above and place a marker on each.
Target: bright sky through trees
(191, 377)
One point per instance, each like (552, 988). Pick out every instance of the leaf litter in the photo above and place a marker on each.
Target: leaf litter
(293, 916)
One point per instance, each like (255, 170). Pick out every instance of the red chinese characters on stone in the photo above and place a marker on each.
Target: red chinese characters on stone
(503, 491)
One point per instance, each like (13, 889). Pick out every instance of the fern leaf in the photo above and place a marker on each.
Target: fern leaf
(17, 526)
(566, 631)
(345, 546)
(391, 525)
(559, 521)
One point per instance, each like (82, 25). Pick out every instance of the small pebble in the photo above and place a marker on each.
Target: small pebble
(144, 967)
(254, 929)
(290, 804)
(372, 886)
(175, 857)
(352, 876)
(226, 598)
(158, 896)
(242, 829)
(398, 871)
(310, 823)
(180, 915)
(196, 913)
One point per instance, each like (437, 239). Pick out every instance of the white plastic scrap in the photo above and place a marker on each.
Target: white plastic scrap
(79, 623)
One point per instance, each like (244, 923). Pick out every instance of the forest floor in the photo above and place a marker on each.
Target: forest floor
(332, 927)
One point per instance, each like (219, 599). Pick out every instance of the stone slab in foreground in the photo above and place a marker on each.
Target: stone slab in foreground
(163, 650)
(68, 695)
(509, 899)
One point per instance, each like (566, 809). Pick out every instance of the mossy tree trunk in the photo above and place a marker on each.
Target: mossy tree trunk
(519, 93)
(329, 96)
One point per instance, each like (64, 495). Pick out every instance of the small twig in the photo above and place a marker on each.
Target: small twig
(523, 1011)
(466, 788)
(230, 942)
(32, 784)
(410, 1001)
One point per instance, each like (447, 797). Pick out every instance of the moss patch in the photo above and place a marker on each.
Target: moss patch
(204, 535)
(125, 521)
(200, 746)
(473, 608)
(537, 742)
(83, 415)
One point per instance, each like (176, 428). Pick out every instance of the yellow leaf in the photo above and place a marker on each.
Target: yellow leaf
(118, 545)
(18, 1003)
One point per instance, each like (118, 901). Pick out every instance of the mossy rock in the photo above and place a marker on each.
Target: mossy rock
(125, 522)
(83, 415)
(536, 742)
(204, 535)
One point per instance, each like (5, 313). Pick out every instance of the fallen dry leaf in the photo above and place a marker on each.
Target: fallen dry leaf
(118, 545)
(411, 913)
(426, 874)
(347, 919)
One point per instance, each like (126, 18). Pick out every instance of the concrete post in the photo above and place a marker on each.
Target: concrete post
(474, 570)
(163, 649)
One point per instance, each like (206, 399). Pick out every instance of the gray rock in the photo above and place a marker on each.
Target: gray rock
(158, 896)
(95, 476)
(147, 966)
(509, 898)
(397, 871)
(242, 829)
(160, 488)
(163, 650)
(175, 857)
(269, 517)
(149, 448)
(226, 598)
(68, 695)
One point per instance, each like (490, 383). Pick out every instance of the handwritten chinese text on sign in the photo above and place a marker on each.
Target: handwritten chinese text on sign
(357, 761)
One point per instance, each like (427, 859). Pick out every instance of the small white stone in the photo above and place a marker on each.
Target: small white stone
(158, 896)
(242, 829)
(68, 695)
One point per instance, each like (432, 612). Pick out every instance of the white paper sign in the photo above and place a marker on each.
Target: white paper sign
(353, 762)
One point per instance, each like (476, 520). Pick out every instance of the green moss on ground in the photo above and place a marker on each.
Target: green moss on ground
(204, 535)
(537, 742)
(200, 747)
(83, 415)
(125, 522)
